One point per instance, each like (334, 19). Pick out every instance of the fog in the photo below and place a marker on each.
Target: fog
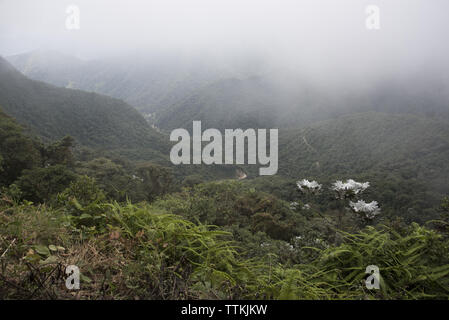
(320, 38)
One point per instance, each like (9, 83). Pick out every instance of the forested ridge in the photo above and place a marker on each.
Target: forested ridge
(91, 119)
(149, 82)
(172, 91)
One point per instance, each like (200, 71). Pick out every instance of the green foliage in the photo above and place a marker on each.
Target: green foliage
(141, 182)
(192, 180)
(145, 253)
(413, 265)
(110, 176)
(85, 190)
(59, 152)
(231, 203)
(42, 184)
(17, 151)
(84, 203)
(176, 258)
(12, 193)
(156, 180)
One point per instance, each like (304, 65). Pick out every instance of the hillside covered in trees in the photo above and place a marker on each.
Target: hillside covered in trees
(91, 119)
(174, 91)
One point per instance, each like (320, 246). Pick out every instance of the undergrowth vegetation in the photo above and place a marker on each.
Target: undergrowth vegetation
(212, 241)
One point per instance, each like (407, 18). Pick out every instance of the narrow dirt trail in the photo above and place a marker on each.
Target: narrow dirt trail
(308, 144)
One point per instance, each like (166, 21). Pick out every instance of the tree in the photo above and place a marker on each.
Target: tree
(112, 178)
(59, 152)
(17, 151)
(156, 180)
(41, 184)
(85, 190)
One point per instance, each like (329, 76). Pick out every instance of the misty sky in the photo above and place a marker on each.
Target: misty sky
(320, 35)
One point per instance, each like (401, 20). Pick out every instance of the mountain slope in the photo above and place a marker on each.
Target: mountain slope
(177, 90)
(229, 103)
(416, 146)
(92, 119)
(404, 157)
(147, 82)
(264, 102)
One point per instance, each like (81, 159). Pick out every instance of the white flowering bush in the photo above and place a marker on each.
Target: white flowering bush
(294, 205)
(306, 207)
(349, 190)
(305, 185)
(368, 210)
